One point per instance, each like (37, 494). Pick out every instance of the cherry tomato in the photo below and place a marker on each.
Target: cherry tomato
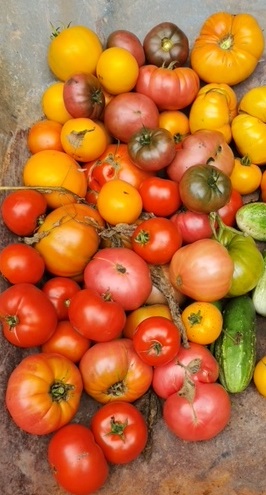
(21, 263)
(157, 340)
(23, 211)
(119, 202)
(117, 70)
(45, 135)
(246, 176)
(60, 290)
(160, 196)
(203, 322)
(67, 342)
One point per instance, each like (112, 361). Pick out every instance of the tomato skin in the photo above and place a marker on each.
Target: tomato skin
(203, 322)
(129, 41)
(27, 316)
(120, 430)
(67, 342)
(83, 139)
(166, 43)
(156, 240)
(152, 149)
(117, 70)
(43, 393)
(60, 290)
(95, 317)
(157, 340)
(201, 418)
(228, 211)
(119, 202)
(77, 462)
(21, 263)
(192, 225)
(160, 196)
(113, 371)
(22, 211)
(44, 135)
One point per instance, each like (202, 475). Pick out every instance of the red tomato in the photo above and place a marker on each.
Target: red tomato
(196, 361)
(67, 342)
(76, 460)
(200, 413)
(120, 430)
(27, 316)
(228, 211)
(160, 196)
(113, 371)
(60, 290)
(192, 226)
(43, 393)
(95, 317)
(156, 240)
(157, 340)
(121, 274)
(21, 263)
(23, 211)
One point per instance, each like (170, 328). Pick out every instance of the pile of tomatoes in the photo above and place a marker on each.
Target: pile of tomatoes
(119, 265)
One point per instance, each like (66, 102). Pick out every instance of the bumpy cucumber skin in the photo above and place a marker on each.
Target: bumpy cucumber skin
(251, 219)
(235, 349)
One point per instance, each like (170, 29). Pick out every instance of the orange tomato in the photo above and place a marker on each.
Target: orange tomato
(52, 168)
(119, 202)
(44, 135)
(203, 322)
(138, 315)
(67, 341)
(246, 176)
(117, 70)
(83, 139)
(263, 186)
(259, 376)
(53, 105)
(177, 123)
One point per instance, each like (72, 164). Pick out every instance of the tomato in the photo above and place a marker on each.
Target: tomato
(96, 317)
(198, 414)
(68, 239)
(249, 134)
(120, 430)
(129, 41)
(202, 147)
(127, 113)
(170, 88)
(83, 96)
(113, 371)
(160, 196)
(43, 393)
(119, 202)
(21, 263)
(246, 176)
(156, 340)
(77, 462)
(196, 362)
(114, 163)
(156, 240)
(228, 211)
(60, 290)
(73, 50)
(44, 135)
(53, 105)
(192, 225)
(135, 317)
(259, 376)
(228, 48)
(67, 342)
(52, 168)
(204, 188)
(83, 139)
(177, 123)
(117, 70)
(202, 270)
(263, 186)
(166, 43)
(214, 108)
(23, 211)
(203, 322)
(152, 149)
(121, 274)
(27, 316)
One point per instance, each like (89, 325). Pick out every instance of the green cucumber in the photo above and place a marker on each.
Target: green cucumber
(235, 348)
(251, 219)
(259, 293)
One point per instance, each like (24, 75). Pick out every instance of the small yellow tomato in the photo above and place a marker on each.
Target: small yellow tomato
(117, 70)
(203, 322)
(119, 202)
(259, 376)
(246, 176)
(53, 105)
(83, 139)
(177, 123)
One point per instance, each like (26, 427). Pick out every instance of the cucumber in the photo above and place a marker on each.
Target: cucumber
(251, 219)
(235, 348)
(259, 293)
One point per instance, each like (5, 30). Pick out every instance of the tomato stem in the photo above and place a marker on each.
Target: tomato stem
(117, 427)
(227, 42)
(59, 391)
(117, 389)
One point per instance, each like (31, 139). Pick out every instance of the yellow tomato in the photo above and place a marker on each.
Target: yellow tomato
(138, 315)
(249, 135)
(177, 123)
(253, 102)
(53, 105)
(214, 108)
(203, 322)
(246, 176)
(259, 376)
(117, 70)
(74, 50)
(57, 169)
(83, 139)
(119, 202)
